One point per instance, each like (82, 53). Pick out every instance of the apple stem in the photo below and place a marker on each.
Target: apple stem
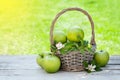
(101, 50)
(41, 55)
(52, 54)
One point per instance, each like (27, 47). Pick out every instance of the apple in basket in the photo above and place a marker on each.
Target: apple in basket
(75, 34)
(59, 36)
(101, 58)
(50, 63)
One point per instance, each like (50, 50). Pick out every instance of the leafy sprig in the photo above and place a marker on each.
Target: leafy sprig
(81, 46)
(91, 66)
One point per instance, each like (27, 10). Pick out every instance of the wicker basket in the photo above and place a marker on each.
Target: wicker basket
(73, 61)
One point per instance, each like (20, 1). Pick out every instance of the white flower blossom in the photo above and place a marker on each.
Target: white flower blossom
(91, 67)
(59, 45)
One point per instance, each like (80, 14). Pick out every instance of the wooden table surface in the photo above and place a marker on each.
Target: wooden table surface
(25, 68)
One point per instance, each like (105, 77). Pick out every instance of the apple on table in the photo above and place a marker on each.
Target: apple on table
(101, 58)
(49, 62)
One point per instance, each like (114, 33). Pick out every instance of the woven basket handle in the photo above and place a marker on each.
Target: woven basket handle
(92, 42)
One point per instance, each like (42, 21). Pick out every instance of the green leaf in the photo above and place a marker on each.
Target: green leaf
(85, 43)
(81, 49)
(53, 48)
(63, 51)
(79, 37)
(98, 68)
(88, 71)
(79, 43)
(93, 62)
(76, 45)
(85, 64)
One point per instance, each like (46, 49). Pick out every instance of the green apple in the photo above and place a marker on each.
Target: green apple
(40, 58)
(101, 58)
(59, 36)
(75, 34)
(51, 63)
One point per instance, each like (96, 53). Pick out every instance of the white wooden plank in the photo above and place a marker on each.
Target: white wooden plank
(16, 58)
(111, 67)
(114, 62)
(115, 57)
(20, 65)
(30, 66)
(77, 77)
(107, 72)
(37, 72)
(41, 72)
(34, 66)
(61, 76)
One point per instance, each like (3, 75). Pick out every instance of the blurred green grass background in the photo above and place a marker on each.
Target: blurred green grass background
(25, 24)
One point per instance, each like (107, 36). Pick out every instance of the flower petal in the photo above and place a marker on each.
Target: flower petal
(59, 45)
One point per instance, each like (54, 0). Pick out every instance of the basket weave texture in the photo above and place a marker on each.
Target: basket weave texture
(73, 61)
